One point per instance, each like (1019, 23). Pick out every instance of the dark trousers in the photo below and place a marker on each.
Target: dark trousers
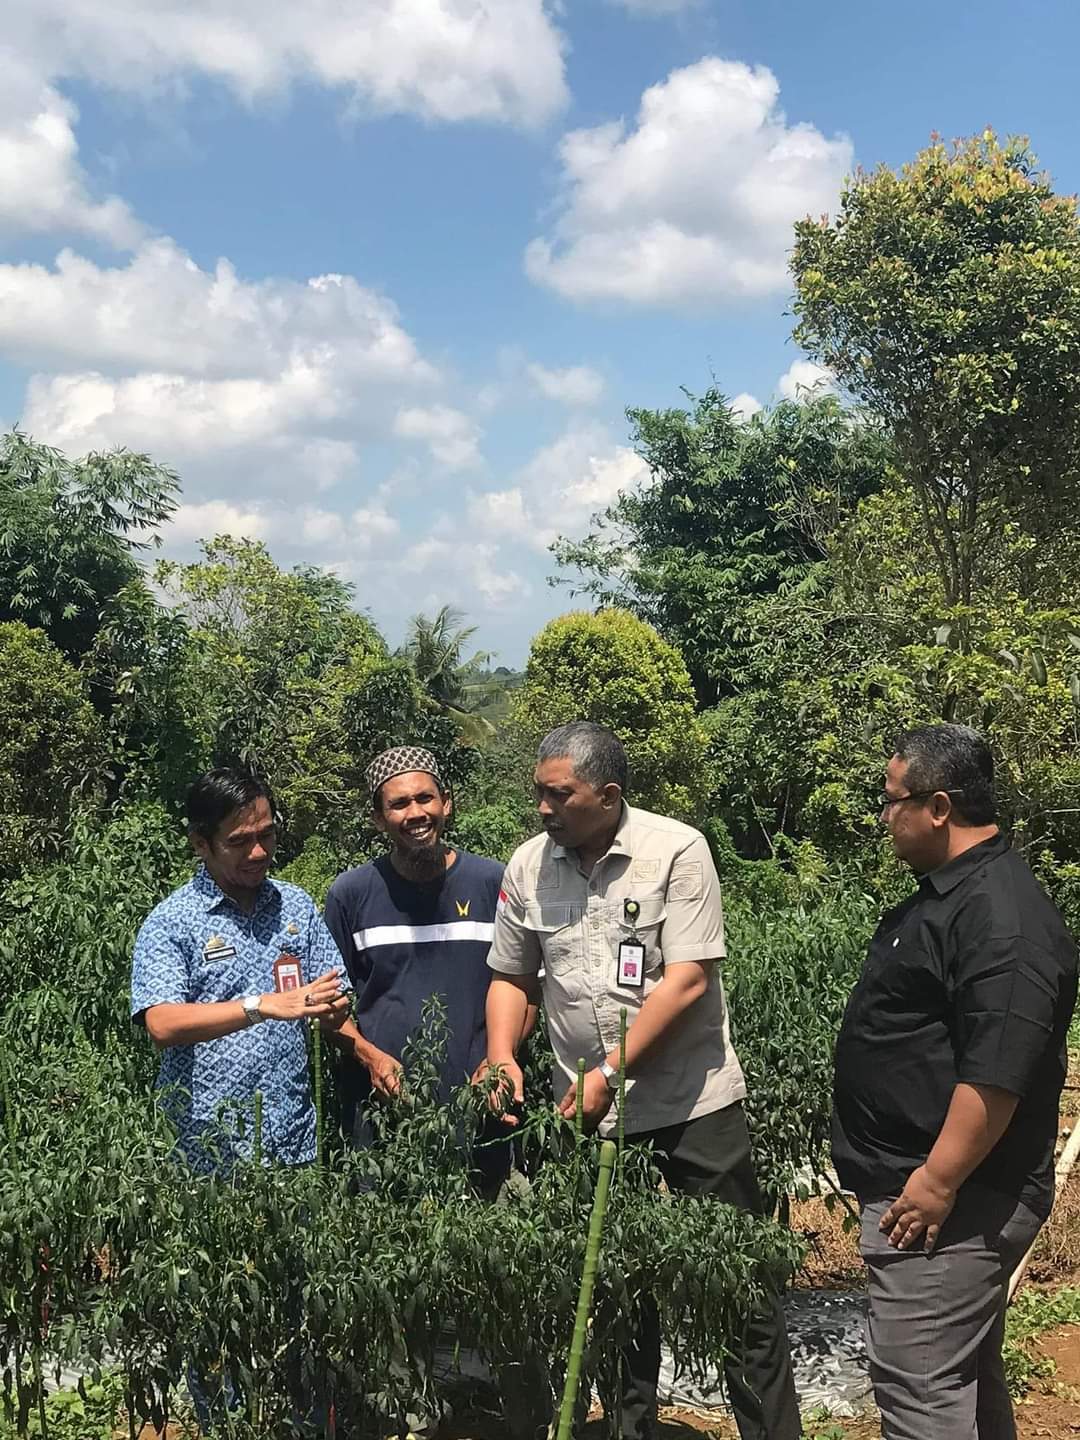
(711, 1156)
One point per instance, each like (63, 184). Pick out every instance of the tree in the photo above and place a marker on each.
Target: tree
(458, 687)
(282, 675)
(947, 299)
(732, 512)
(52, 747)
(613, 668)
(71, 532)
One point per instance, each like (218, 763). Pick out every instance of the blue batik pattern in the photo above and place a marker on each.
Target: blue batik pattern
(198, 946)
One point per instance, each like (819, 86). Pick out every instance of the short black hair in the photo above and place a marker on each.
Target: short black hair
(954, 758)
(595, 752)
(215, 795)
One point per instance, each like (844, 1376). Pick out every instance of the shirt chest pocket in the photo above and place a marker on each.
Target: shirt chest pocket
(220, 973)
(646, 928)
(557, 925)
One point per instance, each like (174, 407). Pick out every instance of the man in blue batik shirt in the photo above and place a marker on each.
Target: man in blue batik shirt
(203, 982)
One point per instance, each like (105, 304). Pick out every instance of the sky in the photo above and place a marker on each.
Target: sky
(379, 278)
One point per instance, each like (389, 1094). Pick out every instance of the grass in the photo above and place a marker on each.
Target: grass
(1031, 1314)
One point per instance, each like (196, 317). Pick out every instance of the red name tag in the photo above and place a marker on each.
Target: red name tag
(288, 974)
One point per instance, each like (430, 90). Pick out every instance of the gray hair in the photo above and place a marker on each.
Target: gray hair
(953, 758)
(596, 754)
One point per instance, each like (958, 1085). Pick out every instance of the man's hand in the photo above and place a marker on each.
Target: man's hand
(509, 1092)
(310, 1002)
(383, 1069)
(597, 1100)
(923, 1208)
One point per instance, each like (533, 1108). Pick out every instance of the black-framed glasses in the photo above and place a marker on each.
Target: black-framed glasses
(886, 802)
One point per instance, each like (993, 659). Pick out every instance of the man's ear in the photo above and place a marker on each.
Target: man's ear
(610, 795)
(199, 844)
(941, 808)
(448, 804)
(378, 819)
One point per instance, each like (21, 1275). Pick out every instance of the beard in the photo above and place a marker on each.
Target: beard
(422, 863)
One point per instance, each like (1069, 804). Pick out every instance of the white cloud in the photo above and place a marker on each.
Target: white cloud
(216, 517)
(696, 201)
(803, 378)
(162, 311)
(560, 489)
(42, 186)
(195, 366)
(446, 60)
(576, 385)
(172, 415)
(451, 436)
(745, 405)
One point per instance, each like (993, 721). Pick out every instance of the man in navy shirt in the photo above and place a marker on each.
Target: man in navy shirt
(414, 923)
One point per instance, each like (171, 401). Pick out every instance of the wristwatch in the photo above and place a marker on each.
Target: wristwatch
(252, 1013)
(610, 1074)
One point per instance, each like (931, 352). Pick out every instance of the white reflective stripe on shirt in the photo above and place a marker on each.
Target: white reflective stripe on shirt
(423, 934)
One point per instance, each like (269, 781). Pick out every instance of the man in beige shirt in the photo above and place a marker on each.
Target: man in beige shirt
(612, 907)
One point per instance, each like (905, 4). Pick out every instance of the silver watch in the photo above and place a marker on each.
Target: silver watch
(252, 1012)
(610, 1074)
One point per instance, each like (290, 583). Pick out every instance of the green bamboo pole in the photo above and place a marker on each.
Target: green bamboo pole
(9, 1112)
(257, 1140)
(622, 1142)
(588, 1280)
(579, 1108)
(622, 1081)
(316, 1055)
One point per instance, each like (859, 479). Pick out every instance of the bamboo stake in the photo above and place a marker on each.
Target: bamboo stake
(585, 1294)
(316, 1055)
(9, 1111)
(257, 1139)
(579, 1109)
(1061, 1173)
(622, 1081)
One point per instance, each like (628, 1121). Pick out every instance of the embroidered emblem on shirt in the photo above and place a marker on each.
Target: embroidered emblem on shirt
(500, 904)
(463, 910)
(685, 883)
(292, 928)
(645, 870)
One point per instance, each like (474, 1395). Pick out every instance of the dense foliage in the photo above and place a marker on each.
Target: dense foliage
(353, 1286)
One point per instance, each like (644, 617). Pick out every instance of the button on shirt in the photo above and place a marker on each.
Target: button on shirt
(199, 946)
(556, 920)
(971, 980)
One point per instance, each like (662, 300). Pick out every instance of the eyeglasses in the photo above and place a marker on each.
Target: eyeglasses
(886, 802)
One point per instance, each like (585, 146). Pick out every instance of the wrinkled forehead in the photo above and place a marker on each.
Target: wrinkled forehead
(412, 785)
(556, 774)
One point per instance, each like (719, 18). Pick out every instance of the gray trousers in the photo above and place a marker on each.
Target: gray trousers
(937, 1321)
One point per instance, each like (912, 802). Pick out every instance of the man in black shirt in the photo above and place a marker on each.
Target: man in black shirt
(949, 1069)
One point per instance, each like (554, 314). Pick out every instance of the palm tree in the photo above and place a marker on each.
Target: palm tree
(434, 646)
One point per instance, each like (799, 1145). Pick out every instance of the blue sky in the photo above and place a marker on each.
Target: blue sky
(379, 279)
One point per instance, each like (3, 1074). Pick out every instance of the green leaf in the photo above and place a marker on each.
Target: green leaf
(1037, 665)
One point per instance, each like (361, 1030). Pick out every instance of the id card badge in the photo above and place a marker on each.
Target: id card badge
(631, 963)
(288, 974)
